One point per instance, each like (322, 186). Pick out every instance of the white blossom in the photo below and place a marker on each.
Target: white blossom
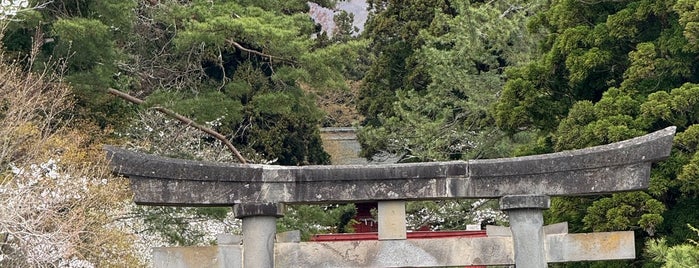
(10, 8)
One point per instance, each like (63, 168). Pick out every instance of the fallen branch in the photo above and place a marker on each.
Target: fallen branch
(184, 120)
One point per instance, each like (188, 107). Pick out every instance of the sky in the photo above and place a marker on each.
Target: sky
(324, 16)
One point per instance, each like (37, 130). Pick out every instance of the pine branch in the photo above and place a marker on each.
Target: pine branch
(184, 120)
(241, 47)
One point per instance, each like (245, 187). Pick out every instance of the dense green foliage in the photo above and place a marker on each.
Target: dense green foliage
(612, 70)
(318, 219)
(437, 70)
(636, 46)
(682, 255)
(246, 68)
(253, 63)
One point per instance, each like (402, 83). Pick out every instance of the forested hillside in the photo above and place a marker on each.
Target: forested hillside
(425, 80)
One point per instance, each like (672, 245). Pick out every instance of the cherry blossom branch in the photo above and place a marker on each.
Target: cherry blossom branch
(184, 120)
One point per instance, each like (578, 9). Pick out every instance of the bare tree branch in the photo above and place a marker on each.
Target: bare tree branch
(184, 120)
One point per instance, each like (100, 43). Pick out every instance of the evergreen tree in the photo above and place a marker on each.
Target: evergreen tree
(254, 62)
(86, 35)
(460, 54)
(683, 255)
(249, 66)
(613, 70)
(393, 28)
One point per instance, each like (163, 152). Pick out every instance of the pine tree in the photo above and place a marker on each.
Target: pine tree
(458, 55)
(610, 71)
(248, 69)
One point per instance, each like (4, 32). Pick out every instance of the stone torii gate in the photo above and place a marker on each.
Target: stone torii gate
(523, 185)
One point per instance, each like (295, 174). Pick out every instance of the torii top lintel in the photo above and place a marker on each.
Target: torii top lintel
(616, 167)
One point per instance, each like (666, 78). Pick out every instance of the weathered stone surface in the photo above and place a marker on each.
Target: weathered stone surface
(258, 241)
(228, 239)
(289, 237)
(649, 148)
(509, 202)
(450, 251)
(258, 209)
(622, 166)
(391, 215)
(499, 231)
(185, 257)
(342, 146)
(590, 246)
(223, 256)
(411, 253)
(556, 228)
(229, 256)
(528, 238)
(396, 253)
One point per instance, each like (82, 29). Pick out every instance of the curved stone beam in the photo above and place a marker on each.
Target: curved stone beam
(621, 166)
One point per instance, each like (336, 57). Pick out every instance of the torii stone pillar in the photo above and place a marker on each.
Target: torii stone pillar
(527, 226)
(259, 230)
(391, 218)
